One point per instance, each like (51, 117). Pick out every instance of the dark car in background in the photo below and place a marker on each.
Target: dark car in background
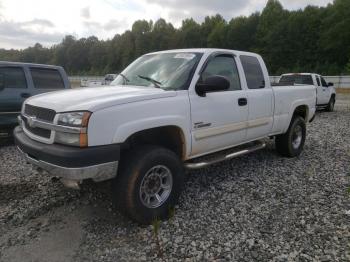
(18, 81)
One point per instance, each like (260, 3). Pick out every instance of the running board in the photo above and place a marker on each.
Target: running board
(4, 134)
(233, 153)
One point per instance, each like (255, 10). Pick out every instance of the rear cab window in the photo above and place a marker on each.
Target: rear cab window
(323, 82)
(318, 80)
(46, 78)
(296, 79)
(253, 72)
(12, 77)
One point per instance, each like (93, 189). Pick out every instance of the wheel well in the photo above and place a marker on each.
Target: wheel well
(170, 137)
(301, 111)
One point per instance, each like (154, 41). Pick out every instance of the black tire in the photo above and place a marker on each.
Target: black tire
(137, 165)
(284, 143)
(330, 106)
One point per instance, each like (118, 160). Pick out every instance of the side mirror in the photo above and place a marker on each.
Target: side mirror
(213, 83)
(330, 84)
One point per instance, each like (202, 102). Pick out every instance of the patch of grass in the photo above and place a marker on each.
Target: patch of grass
(171, 213)
(156, 228)
(310, 172)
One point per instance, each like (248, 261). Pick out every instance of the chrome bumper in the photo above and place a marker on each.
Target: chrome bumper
(97, 173)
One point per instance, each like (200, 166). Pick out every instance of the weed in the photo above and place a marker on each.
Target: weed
(171, 213)
(156, 228)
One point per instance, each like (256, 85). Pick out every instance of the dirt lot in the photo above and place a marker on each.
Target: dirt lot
(258, 207)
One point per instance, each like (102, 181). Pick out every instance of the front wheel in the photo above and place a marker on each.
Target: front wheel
(330, 106)
(148, 184)
(292, 142)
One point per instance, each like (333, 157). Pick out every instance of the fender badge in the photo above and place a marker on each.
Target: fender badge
(201, 124)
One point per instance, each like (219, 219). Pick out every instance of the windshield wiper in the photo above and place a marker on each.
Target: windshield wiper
(125, 78)
(153, 81)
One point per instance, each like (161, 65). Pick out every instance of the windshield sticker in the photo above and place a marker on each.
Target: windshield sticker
(186, 56)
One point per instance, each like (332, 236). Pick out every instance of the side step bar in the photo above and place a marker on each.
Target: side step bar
(239, 152)
(2, 134)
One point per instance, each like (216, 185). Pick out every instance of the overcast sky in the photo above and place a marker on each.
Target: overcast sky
(25, 22)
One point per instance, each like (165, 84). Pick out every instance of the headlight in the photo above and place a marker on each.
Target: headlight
(75, 119)
(76, 132)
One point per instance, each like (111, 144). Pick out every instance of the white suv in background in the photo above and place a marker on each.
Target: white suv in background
(325, 91)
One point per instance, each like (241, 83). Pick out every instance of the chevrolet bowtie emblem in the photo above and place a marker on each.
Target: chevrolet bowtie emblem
(31, 121)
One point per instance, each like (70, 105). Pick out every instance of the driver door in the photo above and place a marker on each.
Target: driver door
(13, 91)
(218, 118)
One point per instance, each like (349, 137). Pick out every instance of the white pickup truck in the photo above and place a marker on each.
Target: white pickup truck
(325, 91)
(165, 112)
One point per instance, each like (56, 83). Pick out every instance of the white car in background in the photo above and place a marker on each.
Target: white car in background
(325, 91)
(98, 81)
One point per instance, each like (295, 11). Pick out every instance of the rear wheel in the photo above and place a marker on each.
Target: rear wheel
(330, 106)
(148, 184)
(292, 142)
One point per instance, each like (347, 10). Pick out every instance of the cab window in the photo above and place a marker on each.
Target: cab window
(324, 83)
(46, 78)
(12, 77)
(253, 73)
(223, 65)
(318, 80)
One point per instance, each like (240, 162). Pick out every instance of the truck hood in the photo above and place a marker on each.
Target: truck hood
(96, 98)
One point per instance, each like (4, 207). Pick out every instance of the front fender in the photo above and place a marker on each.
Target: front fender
(125, 130)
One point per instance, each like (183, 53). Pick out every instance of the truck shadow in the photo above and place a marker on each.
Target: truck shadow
(15, 191)
(198, 184)
(7, 142)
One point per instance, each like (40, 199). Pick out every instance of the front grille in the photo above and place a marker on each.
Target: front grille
(40, 112)
(36, 130)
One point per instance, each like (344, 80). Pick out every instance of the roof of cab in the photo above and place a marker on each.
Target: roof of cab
(303, 74)
(7, 63)
(205, 50)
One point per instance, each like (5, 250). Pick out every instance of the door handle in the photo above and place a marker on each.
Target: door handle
(25, 95)
(242, 101)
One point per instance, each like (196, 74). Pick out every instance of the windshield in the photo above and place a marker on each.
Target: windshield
(163, 70)
(296, 79)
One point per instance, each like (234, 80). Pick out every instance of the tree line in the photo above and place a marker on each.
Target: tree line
(313, 39)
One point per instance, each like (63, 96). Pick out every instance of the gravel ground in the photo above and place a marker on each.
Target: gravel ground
(258, 207)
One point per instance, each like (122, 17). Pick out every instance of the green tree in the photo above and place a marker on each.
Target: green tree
(217, 37)
(315, 39)
(347, 68)
(189, 35)
(335, 37)
(272, 35)
(210, 24)
(241, 32)
(162, 35)
(141, 30)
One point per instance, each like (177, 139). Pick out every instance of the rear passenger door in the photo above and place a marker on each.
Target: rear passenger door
(13, 91)
(260, 98)
(319, 90)
(46, 79)
(326, 94)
